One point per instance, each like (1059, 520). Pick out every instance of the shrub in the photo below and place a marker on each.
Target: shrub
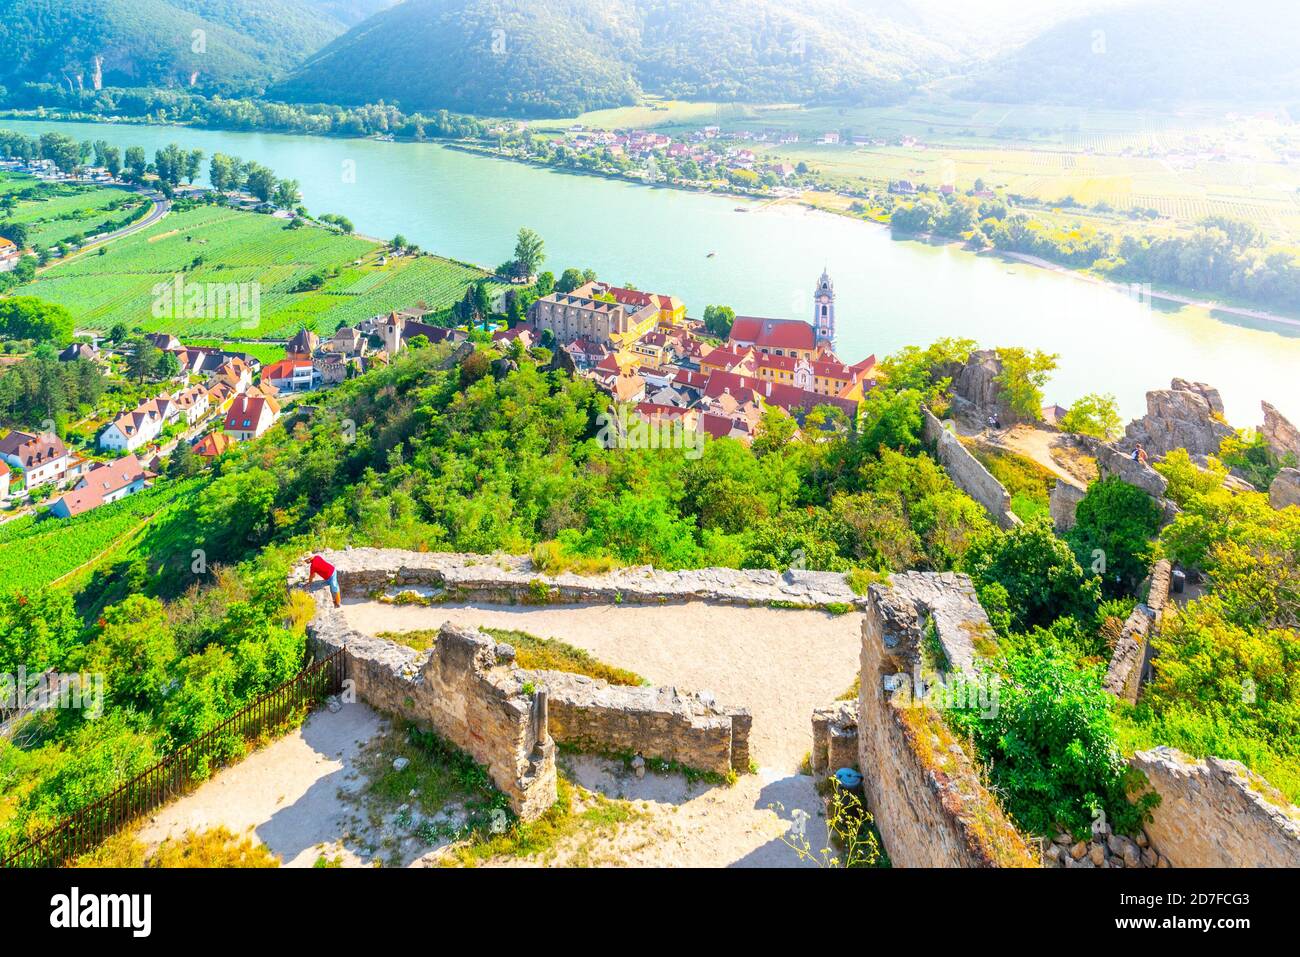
(1115, 524)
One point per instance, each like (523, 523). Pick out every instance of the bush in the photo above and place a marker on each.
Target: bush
(1051, 749)
(1115, 524)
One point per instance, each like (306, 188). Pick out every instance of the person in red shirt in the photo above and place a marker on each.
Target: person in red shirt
(327, 572)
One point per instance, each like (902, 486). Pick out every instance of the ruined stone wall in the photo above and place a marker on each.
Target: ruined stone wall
(1217, 813)
(664, 723)
(1132, 655)
(660, 722)
(967, 473)
(464, 688)
(504, 579)
(929, 804)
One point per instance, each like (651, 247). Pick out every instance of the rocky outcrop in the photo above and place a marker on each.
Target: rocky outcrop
(1217, 813)
(1282, 436)
(1113, 461)
(1063, 503)
(975, 387)
(1285, 490)
(1188, 415)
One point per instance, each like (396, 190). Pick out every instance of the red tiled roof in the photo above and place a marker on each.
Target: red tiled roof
(773, 333)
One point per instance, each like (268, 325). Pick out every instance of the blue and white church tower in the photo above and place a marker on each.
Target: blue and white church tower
(824, 312)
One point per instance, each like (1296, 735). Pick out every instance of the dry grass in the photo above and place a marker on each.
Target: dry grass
(214, 848)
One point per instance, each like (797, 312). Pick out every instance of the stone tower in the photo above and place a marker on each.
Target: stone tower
(824, 312)
(390, 330)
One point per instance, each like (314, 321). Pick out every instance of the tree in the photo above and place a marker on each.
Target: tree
(1024, 373)
(112, 161)
(1115, 523)
(718, 320)
(226, 173)
(136, 162)
(570, 280)
(287, 194)
(27, 317)
(1094, 414)
(167, 366)
(261, 182)
(36, 630)
(1030, 577)
(62, 150)
(545, 284)
(529, 252)
(170, 164)
(133, 651)
(142, 361)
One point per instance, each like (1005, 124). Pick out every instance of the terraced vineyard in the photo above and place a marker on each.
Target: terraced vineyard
(64, 545)
(212, 244)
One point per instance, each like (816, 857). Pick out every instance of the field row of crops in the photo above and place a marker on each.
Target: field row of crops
(220, 246)
(64, 545)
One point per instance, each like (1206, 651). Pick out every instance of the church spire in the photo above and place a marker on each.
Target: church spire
(824, 311)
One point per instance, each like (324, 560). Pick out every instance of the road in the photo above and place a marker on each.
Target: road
(161, 207)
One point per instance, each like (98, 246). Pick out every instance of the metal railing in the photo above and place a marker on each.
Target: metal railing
(179, 771)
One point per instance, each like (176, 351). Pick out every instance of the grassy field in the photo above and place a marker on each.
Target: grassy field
(65, 545)
(212, 244)
(60, 211)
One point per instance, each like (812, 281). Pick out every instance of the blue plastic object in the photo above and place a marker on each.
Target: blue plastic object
(848, 777)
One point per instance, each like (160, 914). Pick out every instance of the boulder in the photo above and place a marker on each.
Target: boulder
(1285, 489)
(1188, 415)
(975, 385)
(1111, 460)
(1282, 436)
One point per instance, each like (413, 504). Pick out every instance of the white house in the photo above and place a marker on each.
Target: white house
(140, 426)
(106, 482)
(43, 458)
(249, 417)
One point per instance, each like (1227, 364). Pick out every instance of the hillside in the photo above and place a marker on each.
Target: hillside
(243, 43)
(514, 57)
(1154, 53)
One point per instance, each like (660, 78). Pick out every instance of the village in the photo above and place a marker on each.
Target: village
(661, 370)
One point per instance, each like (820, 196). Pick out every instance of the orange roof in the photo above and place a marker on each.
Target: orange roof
(213, 444)
(773, 333)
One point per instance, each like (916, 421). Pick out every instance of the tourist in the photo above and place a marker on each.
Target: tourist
(1139, 454)
(328, 573)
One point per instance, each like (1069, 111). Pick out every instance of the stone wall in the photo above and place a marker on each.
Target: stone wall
(1216, 813)
(967, 473)
(665, 723)
(835, 738)
(930, 805)
(513, 579)
(1132, 655)
(465, 688)
(1064, 502)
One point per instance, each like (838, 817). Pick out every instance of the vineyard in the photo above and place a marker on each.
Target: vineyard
(64, 210)
(64, 545)
(217, 245)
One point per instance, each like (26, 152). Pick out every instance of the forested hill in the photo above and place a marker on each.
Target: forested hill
(213, 45)
(524, 58)
(1155, 53)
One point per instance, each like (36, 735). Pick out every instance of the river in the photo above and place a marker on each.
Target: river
(765, 261)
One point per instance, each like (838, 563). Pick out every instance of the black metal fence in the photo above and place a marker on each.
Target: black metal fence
(176, 773)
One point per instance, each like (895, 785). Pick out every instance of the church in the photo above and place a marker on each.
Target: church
(801, 354)
(792, 337)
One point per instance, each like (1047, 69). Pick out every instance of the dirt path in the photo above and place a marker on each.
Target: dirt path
(287, 793)
(779, 663)
(1044, 446)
